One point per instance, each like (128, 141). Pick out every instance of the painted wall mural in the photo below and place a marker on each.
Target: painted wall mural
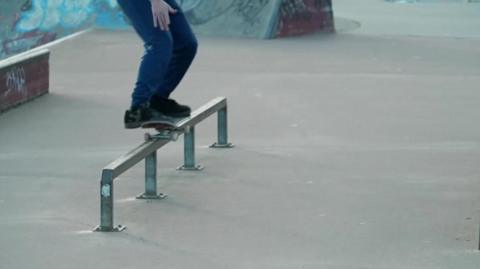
(30, 23)
(259, 18)
(304, 16)
(109, 15)
(27, 24)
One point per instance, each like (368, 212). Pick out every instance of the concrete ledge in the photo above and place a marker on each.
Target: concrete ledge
(23, 78)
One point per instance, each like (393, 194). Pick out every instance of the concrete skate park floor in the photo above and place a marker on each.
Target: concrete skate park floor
(352, 151)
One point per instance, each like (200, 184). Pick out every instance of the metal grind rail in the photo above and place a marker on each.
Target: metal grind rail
(148, 151)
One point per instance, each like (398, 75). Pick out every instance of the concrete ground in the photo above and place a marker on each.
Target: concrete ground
(432, 18)
(353, 151)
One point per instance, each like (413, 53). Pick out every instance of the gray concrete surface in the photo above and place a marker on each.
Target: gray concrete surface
(353, 151)
(433, 18)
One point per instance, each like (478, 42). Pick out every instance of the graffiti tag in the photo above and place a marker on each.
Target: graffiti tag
(16, 81)
(293, 8)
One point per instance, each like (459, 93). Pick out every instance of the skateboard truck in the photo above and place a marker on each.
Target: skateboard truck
(167, 134)
(163, 135)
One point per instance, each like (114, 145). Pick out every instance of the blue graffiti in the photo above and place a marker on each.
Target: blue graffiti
(109, 15)
(47, 14)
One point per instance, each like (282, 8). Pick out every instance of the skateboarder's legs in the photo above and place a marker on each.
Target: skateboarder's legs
(184, 50)
(168, 54)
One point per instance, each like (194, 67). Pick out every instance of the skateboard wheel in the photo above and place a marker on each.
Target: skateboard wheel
(147, 137)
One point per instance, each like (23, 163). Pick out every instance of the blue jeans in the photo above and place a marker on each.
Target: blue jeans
(168, 54)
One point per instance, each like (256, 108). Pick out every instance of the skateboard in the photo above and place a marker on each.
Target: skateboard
(167, 130)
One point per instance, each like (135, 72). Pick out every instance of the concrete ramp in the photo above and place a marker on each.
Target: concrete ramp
(241, 18)
(28, 24)
(232, 17)
(259, 18)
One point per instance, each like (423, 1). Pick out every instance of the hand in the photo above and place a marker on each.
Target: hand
(161, 14)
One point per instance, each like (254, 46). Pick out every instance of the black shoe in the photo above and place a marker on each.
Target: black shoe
(169, 107)
(135, 117)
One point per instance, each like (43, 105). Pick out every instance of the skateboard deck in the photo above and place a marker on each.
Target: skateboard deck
(167, 129)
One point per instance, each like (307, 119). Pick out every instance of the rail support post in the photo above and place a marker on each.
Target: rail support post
(106, 204)
(222, 141)
(189, 152)
(151, 178)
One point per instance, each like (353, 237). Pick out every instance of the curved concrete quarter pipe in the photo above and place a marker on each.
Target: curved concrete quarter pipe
(259, 18)
(27, 24)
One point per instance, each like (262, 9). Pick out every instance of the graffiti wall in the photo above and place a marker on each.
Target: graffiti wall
(30, 23)
(251, 18)
(108, 15)
(304, 16)
(26, 24)
(259, 18)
